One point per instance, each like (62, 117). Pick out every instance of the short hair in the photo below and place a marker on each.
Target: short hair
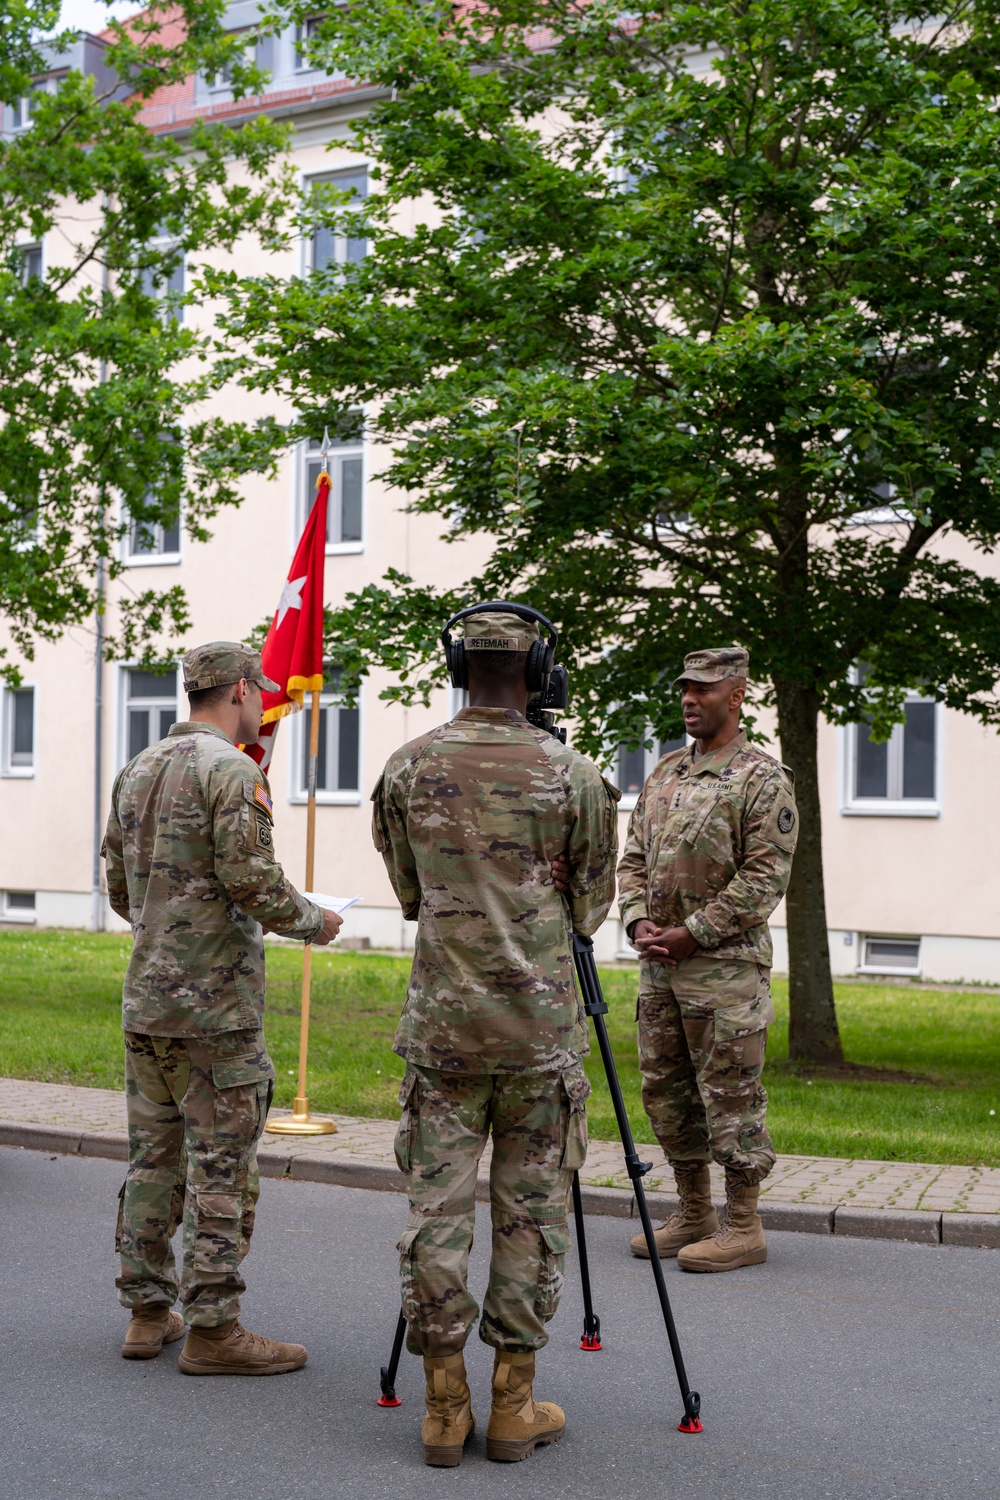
(501, 668)
(209, 697)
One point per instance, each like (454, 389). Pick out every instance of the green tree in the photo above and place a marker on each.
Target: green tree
(702, 332)
(102, 372)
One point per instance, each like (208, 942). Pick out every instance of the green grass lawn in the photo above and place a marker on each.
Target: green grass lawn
(60, 1021)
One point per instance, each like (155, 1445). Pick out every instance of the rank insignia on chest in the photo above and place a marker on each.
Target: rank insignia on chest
(261, 797)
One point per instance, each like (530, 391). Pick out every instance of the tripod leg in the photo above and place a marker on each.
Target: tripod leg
(596, 1008)
(387, 1374)
(591, 1323)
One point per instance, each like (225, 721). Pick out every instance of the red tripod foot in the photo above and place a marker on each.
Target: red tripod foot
(690, 1424)
(392, 1400)
(591, 1341)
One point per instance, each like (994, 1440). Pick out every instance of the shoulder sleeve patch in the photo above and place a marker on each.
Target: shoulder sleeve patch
(256, 794)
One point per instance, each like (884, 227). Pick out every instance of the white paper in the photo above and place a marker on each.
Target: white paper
(336, 904)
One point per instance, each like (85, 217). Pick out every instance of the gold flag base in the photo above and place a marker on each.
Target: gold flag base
(301, 1123)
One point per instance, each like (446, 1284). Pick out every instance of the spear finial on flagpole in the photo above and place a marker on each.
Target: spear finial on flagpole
(325, 452)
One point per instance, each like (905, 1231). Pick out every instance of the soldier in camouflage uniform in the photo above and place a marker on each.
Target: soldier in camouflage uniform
(470, 820)
(191, 867)
(707, 860)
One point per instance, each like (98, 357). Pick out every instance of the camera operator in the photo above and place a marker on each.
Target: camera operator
(470, 820)
(708, 857)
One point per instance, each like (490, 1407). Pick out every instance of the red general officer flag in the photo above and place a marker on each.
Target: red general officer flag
(292, 654)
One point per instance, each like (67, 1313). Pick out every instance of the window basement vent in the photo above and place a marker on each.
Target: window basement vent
(891, 955)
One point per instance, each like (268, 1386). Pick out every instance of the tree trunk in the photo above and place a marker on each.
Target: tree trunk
(813, 1034)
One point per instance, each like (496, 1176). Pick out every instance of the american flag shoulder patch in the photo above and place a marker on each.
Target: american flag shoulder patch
(259, 795)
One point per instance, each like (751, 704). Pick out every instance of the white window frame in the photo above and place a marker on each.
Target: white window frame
(161, 293)
(329, 174)
(865, 937)
(21, 247)
(10, 913)
(125, 700)
(151, 559)
(8, 770)
(298, 794)
(309, 452)
(652, 758)
(458, 698)
(891, 807)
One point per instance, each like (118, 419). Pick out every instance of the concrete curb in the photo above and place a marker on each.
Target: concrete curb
(979, 1231)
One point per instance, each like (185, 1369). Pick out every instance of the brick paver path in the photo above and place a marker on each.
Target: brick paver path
(795, 1179)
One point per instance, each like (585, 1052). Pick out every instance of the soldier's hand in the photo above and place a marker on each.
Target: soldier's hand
(654, 942)
(559, 870)
(331, 926)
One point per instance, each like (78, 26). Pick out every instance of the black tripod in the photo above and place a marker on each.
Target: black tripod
(596, 1007)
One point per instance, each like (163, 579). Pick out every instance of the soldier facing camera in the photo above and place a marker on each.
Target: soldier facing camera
(480, 823)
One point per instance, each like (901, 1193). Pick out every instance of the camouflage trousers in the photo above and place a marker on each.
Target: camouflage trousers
(702, 1035)
(539, 1128)
(196, 1109)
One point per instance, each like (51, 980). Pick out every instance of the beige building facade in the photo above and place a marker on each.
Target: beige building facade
(910, 841)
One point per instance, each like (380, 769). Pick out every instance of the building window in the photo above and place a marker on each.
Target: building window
(19, 731)
(338, 764)
(150, 708)
(458, 698)
(165, 281)
(152, 541)
(327, 246)
(344, 517)
(29, 262)
(22, 111)
(631, 767)
(304, 34)
(18, 906)
(890, 955)
(899, 776)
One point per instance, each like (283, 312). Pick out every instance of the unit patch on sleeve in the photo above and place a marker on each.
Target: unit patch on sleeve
(786, 820)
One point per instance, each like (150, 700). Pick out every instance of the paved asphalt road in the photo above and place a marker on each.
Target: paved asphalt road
(842, 1370)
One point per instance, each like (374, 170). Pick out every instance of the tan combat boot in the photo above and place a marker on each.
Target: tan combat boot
(231, 1350)
(519, 1424)
(449, 1422)
(694, 1219)
(739, 1239)
(149, 1329)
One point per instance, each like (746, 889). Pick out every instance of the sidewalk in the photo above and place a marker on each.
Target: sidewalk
(823, 1195)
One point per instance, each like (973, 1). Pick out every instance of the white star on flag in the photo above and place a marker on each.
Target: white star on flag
(291, 598)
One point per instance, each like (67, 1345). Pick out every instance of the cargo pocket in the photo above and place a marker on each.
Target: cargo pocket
(408, 1272)
(406, 1130)
(243, 1089)
(555, 1243)
(576, 1088)
(218, 1231)
(733, 1022)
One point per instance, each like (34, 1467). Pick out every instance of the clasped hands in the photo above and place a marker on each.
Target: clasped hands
(664, 945)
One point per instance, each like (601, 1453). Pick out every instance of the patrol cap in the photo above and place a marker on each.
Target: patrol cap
(714, 666)
(222, 662)
(497, 630)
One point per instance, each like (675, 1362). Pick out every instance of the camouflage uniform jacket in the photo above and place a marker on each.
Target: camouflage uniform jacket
(468, 820)
(710, 847)
(191, 866)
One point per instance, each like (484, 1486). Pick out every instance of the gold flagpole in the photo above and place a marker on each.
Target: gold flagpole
(301, 1122)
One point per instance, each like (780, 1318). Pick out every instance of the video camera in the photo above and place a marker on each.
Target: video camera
(544, 706)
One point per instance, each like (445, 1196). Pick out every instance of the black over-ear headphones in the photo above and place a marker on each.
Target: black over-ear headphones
(541, 654)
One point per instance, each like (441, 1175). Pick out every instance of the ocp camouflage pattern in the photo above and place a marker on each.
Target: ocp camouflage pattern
(710, 846)
(702, 1038)
(191, 867)
(196, 1108)
(539, 1125)
(468, 820)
